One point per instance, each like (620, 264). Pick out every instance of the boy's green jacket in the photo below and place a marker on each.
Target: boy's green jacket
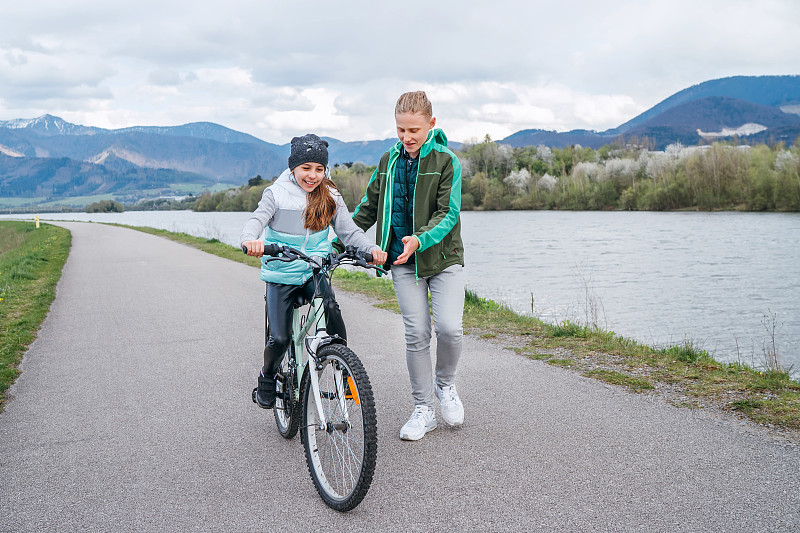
(436, 201)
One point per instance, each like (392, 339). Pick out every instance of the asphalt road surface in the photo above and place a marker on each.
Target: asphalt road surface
(133, 413)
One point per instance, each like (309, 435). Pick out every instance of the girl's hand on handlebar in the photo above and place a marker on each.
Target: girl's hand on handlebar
(254, 248)
(378, 257)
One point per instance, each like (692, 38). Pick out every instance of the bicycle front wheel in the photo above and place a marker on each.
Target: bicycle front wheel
(341, 449)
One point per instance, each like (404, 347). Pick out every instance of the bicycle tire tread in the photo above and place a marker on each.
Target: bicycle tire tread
(369, 418)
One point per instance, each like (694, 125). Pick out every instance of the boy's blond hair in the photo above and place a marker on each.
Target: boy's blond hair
(414, 102)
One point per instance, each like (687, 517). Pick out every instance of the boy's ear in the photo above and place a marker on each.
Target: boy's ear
(433, 122)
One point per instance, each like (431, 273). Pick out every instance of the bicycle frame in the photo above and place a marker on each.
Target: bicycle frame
(307, 336)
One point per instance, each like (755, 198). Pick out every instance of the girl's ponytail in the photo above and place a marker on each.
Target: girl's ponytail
(320, 206)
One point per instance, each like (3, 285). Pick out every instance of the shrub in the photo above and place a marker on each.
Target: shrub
(105, 206)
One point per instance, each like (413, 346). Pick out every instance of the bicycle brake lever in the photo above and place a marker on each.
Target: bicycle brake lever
(278, 258)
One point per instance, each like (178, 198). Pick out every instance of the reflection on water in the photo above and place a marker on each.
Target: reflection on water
(713, 279)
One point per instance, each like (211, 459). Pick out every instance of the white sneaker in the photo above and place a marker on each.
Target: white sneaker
(452, 408)
(422, 420)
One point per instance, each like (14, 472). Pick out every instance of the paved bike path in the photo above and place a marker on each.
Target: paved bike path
(133, 413)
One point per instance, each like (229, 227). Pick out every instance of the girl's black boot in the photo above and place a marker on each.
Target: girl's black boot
(264, 394)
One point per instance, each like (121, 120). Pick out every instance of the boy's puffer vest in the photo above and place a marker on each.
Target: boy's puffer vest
(286, 229)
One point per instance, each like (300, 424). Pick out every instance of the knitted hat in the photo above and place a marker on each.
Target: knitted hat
(308, 149)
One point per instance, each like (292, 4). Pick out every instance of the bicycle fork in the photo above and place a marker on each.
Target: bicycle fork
(339, 394)
(316, 323)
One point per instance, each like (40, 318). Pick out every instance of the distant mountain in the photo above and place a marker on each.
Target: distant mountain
(48, 125)
(717, 117)
(368, 152)
(752, 108)
(557, 139)
(770, 91)
(48, 158)
(209, 150)
(53, 178)
(199, 130)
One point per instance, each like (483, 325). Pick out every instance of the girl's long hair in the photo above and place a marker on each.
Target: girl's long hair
(321, 206)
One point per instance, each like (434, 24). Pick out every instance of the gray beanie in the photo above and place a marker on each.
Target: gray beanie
(308, 149)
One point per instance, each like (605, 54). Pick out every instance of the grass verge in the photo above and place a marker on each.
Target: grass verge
(684, 375)
(31, 262)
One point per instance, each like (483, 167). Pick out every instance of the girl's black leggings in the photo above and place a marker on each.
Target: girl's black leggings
(280, 299)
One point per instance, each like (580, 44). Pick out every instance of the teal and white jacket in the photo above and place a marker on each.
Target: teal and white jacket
(278, 219)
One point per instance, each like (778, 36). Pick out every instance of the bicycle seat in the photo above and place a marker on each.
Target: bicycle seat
(299, 301)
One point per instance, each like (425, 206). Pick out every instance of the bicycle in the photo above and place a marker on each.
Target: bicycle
(332, 395)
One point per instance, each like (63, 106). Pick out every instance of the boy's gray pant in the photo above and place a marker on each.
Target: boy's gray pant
(447, 296)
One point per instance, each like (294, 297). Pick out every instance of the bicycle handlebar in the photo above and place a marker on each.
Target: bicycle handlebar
(287, 254)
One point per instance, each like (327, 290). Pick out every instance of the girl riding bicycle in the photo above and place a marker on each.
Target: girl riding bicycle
(297, 210)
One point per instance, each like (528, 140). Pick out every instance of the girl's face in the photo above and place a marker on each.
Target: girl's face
(412, 130)
(309, 175)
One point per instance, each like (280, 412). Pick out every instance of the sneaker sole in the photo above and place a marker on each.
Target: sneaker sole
(453, 424)
(449, 421)
(414, 437)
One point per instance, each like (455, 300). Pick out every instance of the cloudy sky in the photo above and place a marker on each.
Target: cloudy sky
(279, 69)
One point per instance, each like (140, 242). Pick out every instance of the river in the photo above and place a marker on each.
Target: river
(724, 282)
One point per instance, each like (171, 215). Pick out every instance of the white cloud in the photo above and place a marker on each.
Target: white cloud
(280, 69)
(321, 118)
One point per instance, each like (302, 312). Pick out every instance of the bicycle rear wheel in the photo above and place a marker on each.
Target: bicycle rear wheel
(287, 408)
(341, 450)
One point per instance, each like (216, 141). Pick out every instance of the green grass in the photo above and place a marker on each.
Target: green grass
(31, 262)
(769, 398)
(199, 188)
(636, 384)
(70, 201)
(565, 363)
(379, 290)
(568, 329)
(17, 202)
(78, 201)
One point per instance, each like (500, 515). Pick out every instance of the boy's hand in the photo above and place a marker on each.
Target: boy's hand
(410, 245)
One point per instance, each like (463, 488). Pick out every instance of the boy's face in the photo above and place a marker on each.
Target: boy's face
(412, 130)
(309, 175)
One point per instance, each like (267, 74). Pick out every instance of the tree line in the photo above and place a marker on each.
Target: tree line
(350, 178)
(721, 176)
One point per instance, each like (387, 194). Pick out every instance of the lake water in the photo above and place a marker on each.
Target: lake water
(717, 280)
